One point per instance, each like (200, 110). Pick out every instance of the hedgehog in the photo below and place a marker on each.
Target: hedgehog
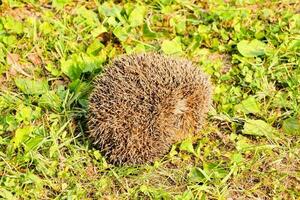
(142, 104)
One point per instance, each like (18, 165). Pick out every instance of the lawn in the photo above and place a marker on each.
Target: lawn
(249, 147)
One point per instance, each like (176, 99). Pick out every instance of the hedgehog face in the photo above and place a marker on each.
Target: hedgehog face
(144, 103)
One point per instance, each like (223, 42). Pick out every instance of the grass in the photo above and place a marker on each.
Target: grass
(248, 149)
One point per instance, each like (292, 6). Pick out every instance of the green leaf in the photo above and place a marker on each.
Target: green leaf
(6, 194)
(80, 89)
(13, 25)
(121, 33)
(90, 63)
(242, 143)
(46, 28)
(139, 48)
(147, 32)
(172, 47)
(110, 10)
(259, 128)
(97, 154)
(291, 126)
(34, 87)
(237, 158)
(187, 145)
(71, 69)
(179, 23)
(81, 63)
(97, 31)
(12, 122)
(90, 17)
(214, 170)
(21, 135)
(251, 48)
(53, 70)
(247, 106)
(136, 17)
(10, 40)
(50, 100)
(95, 47)
(59, 4)
(198, 175)
(173, 151)
(187, 195)
(25, 114)
(33, 143)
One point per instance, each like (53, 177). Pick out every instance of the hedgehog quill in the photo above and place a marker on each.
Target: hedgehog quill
(144, 103)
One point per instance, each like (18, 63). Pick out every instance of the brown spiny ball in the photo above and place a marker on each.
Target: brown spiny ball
(144, 103)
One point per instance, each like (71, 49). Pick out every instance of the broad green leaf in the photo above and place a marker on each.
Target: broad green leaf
(214, 171)
(37, 113)
(10, 40)
(71, 69)
(166, 2)
(242, 143)
(21, 135)
(249, 105)
(90, 17)
(179, 23)
(156, 193)
(147, 32)
(95, 47)
(97, 31)
(198, 175)
(108, 9)
(112, 12)
(12, 122)
(121, 33)
(53, 70)
(172, 46)
(187, 145)
(50, 100)
(5, 194)
(25, 114)
(46, 28)
(34, 179)
(81, 63)
(59, 4)
(91, 63)
(12, 25)
(259, 128)
(33, 143)
(294, 44)
(187, 195)
(237, 158)
(251, 48)
(136, 17)
(291, 126)
(34, 87)
(139, 48)
(113, 22)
